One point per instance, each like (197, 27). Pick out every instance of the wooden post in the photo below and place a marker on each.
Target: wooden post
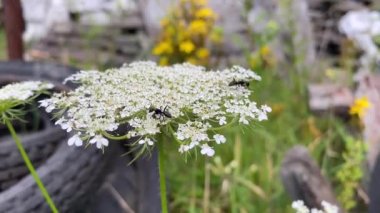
(14, 28)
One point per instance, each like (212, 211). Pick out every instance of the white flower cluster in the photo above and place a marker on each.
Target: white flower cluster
(23, 90)
(362, 26)
(300, 207)
(185, 101)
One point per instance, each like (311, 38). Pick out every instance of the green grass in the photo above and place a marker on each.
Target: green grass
(248, 177)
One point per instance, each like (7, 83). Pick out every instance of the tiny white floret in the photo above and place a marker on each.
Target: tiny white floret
(100, 141)
(219, 138)
(222, 121)
(75, 140)
(148, 141)
(207, 150)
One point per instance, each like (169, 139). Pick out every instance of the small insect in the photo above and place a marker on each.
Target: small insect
(160, 113)
(239, 83)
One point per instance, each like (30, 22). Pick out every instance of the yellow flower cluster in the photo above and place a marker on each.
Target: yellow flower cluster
(187, 32)
(360, 107)
(263, 58)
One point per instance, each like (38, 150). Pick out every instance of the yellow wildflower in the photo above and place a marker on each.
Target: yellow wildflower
(267, 57)
(162, 48)
(205, 13)
(198, 27)
(186, 46)
(200, 2)
(182, 36)
(169, 31)
(203, 53)
(360, 107)
(265, 51)
(186, 31)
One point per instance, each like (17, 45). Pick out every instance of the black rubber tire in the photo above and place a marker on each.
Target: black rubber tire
(39, 146)
(71, 175)
(78, 180)
(51, 72)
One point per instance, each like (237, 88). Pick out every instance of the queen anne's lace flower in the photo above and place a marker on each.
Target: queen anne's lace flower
(184, 101)
(17, 94)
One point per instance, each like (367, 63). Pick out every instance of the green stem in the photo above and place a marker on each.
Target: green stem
(116, 138)
(161, 168)
(225, 126)
(30, 167)
(206, 190)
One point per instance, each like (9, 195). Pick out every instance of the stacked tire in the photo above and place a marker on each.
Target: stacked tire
(71, 175)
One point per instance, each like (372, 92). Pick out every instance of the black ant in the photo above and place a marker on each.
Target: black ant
(240, 83)
(159, 113)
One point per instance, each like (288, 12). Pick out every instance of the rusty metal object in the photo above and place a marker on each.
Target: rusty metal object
(14, 28)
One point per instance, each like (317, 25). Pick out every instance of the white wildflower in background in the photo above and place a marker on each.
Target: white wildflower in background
(13, 99)
(184, 101)
(300, 207)
(329, 208)
(22, 91)
(17, 94)
(362, 26)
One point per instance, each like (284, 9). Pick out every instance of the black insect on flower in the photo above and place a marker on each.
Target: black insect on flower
(239, 83)
(160, 113)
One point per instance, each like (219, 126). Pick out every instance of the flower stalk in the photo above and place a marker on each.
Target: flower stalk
(31, 167)
(161, 168)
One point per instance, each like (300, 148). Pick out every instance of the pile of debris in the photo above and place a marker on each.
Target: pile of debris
(113, 44)
(96, 33)
(325, 15)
